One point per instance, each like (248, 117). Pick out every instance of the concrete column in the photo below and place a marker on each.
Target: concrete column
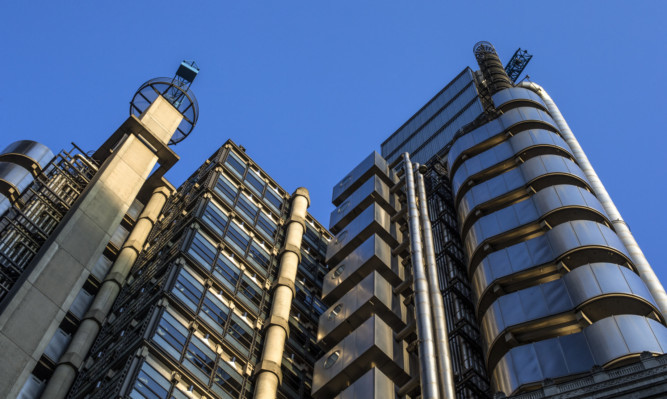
(268, 373)
(66, 371)
(59, 270)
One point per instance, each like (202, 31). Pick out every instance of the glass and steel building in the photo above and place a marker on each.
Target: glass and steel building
(506, 233)
(190, 322)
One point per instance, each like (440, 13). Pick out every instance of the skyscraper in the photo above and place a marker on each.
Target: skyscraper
(478, 255)
(513, 241)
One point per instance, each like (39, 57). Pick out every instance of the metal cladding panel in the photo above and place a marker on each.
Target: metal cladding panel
(374, 164)
(521, 176)
(601, 343)
(373, 220)
(373, 190)
(372, 254)
(497, 127)
(373, 384)
(544, 202)
(30, 150)
(506, 152)
(544, 250)
(514, 94)
(371, 345)
(13, 176)
(580, 287)
(373, 295)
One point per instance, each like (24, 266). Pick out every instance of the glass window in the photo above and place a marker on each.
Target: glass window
(240, 333)
(203, 249)
(214, 311)
(259, 257)
(188, 289)
(227, 381)
(273, 200)
(171, 335)
(250, 292)
(150, 384)
(237, 165)
(255, 182)
(227, 272)
(247, 208)
(226, 189)
(199, 359)
(237, 238)
(267, 226)
(215, 218)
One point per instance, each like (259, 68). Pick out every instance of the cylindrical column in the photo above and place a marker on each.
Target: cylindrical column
(427, 358)
(442, 339)
(65, 373)
(645, 271)
(268, 373)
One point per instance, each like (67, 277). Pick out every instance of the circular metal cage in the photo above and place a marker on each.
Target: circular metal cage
(178, 95)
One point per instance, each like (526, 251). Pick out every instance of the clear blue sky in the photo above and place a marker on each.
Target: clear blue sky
(312, 87)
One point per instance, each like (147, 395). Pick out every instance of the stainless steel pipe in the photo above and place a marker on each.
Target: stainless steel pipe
(645, 271)
(427, 356)
(442, 338)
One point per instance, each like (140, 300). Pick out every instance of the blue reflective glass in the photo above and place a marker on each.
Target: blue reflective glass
(214, 311)
(226, 189)
(150, 384)
(226, 272)
(188, 289)
(237, 238)
(171, 335)
(215, 218)
(203, 250)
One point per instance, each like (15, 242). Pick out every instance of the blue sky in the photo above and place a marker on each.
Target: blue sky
(312, 87)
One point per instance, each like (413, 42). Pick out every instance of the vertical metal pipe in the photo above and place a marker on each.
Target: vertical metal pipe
(427, 357)
(442, 339)
(645, 271)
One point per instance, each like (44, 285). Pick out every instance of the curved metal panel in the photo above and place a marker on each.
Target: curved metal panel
(599, 344)
(576, 290)
(31, 151)
(514, 179)
(13, 176)
(543, 251)
(507, 151)
(496, 127)
(513, 94)
(528, 211)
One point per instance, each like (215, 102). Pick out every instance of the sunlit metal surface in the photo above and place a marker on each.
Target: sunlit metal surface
(600, 344)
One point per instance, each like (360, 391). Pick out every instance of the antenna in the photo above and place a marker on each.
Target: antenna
(177, 92)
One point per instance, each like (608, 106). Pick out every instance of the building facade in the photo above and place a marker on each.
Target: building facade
(477, 256)
(540, 279)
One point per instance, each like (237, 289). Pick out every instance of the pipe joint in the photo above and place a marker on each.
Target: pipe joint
(278, 321)
(297, 219)
(267, 366)
(302, 191)
(285, 282)
(116, 278)
(71, 359)
(291, 248)
(95, 315)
